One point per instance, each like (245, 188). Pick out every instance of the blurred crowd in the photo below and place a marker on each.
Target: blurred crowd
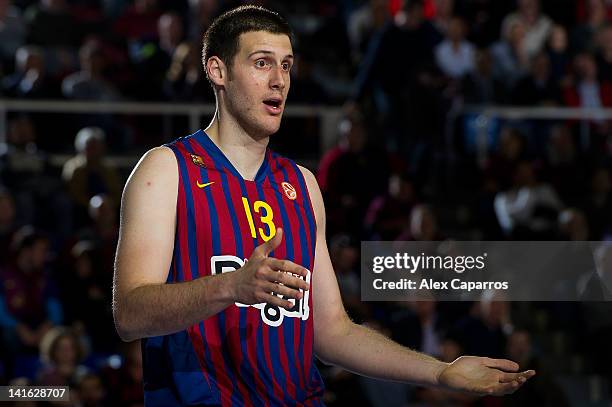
(405, 167)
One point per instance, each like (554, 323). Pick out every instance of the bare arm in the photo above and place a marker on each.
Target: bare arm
(339, 341)
(143, 303)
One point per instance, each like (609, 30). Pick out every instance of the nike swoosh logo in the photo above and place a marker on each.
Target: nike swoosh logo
(204, 185)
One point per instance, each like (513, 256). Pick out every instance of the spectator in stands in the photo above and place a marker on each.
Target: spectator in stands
(171, 32)
(537, 26)
(103, 231)
(418, 325)
(61, 351)
(363, 23)
(485, 330)
(497, 176)
(511, 61)
(344, 254)
(201, 14)
(138, 22)
(51, 25)
(90, 391)
(90, 15)
(21, 159)
(151, 59)
(25, 170)
(558, 53)
(480, 87)
(21, 165)
(565, 168)
(30, 79)
(85, 292)
(12, 31)
(512, 148)
(587, 90)
(305, 88)
(88, 173)
(455, 55)
(344, 170)
(29, 306)
(538, 87)
(389, 214)
(8, 222)
(406, 84)
(583, 35)
(444, 13)
(596, 285)
(573, 225)
(184, 79)
(485, 18)
(423, 225)
(604, 52)
(90, 83)
(125, 380)
(530, 209)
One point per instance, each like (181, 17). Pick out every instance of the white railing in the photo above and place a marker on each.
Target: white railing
(329, 115)
(486, 113)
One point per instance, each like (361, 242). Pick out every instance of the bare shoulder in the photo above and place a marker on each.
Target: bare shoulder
(148, 216)
(157, 159)
(315, 194)
(311, 180)
(156, 169)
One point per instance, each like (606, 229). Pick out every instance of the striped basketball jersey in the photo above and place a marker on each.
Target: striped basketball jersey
(259, 355)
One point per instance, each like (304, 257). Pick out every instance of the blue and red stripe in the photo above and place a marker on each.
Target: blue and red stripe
(234, 357)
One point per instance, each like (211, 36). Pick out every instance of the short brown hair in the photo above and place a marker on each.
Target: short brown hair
(222, 37)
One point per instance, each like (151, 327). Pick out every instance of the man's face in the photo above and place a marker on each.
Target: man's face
(258, 81)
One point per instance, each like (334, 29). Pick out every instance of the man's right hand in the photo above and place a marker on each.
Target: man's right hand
(261, 276)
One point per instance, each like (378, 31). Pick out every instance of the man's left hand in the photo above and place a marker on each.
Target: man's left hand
(483, 376)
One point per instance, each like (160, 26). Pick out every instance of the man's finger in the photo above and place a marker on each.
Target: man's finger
(505, 388)
(279, 302)
(502, 364)
(282, 290)
(264, 249)
(521, 376)
(287, 266)
(284, 278)
(291, 281)
(509, 387)
(509, 377)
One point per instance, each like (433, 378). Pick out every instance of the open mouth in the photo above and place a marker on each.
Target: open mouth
(273, 105)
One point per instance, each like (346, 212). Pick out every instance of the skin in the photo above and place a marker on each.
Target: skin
(145, 306)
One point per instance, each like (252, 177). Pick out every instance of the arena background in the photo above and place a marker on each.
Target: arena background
(421, 121)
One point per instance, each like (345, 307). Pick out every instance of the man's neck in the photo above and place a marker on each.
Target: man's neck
(245, 152)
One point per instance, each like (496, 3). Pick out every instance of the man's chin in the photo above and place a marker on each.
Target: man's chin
(267, 129)
(263, 132)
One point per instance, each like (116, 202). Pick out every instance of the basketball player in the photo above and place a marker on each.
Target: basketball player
(222, 266)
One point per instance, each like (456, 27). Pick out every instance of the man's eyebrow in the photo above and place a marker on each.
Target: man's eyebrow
(263, 51)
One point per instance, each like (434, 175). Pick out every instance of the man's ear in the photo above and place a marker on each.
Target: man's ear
(217, 71)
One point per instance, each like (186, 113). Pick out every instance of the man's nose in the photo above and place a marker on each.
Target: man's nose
(277, 80)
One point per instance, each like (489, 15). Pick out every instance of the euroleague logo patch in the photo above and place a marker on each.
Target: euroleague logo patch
(289, 189)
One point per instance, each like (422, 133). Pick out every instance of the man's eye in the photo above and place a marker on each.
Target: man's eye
(286, 66)
(260, 63)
